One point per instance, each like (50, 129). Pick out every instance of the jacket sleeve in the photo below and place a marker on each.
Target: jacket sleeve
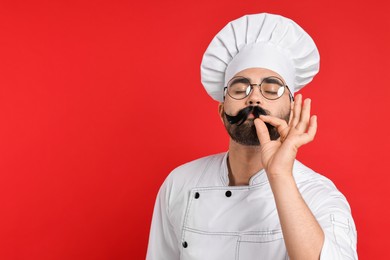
(333, 213)
(340, 236)
(163, 244)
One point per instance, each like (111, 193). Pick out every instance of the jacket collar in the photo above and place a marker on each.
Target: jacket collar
(259, 178)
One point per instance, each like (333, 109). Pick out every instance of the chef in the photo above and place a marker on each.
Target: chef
(255, 201)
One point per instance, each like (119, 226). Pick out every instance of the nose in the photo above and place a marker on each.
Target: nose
(255, 96)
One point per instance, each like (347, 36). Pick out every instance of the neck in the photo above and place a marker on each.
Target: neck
(243, 162)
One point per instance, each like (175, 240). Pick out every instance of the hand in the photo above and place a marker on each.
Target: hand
(278, 156)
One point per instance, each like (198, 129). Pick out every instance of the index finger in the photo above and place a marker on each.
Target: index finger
(262, 131)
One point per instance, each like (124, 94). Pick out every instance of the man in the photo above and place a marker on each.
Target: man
(255, 201)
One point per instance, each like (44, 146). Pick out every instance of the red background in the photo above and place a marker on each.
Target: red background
(100, 100)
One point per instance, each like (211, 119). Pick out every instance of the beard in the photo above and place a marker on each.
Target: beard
(243, 131)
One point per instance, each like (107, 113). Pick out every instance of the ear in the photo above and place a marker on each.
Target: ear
(291, 111)
(221, 111)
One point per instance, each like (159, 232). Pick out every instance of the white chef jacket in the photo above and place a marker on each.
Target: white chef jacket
(197, 216)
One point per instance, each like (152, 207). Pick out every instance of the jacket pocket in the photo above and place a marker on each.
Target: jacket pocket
(198, 245)
(262, 246)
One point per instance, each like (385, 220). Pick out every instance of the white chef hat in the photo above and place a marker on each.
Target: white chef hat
(259, 41)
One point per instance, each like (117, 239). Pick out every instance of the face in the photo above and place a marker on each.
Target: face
(245, 133)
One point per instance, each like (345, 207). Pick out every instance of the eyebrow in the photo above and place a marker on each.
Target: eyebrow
(269, 79)
(240, 79)
(273, 80)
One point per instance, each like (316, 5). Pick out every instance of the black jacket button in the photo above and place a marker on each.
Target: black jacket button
(228, 193)
(197, 195)
(185, 244)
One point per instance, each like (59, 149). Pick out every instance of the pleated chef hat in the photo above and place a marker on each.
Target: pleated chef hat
(259, 41)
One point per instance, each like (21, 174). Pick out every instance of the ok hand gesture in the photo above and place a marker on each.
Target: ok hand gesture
(278, 156)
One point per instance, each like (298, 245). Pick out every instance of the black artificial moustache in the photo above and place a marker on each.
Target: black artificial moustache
(243, 114)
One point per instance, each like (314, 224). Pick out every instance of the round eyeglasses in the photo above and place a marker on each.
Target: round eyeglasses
(271, 88)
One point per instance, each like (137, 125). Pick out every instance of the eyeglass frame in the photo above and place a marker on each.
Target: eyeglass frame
(251, 85)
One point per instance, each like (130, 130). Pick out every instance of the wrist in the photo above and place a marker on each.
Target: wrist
(281, 177)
